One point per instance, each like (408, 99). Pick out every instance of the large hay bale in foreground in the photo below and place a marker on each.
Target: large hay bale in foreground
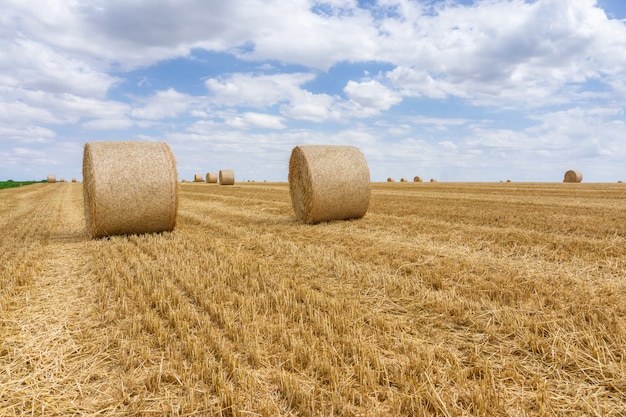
(573, 176)
(211, 178)
(129, 187)
(227, 177)
(52, 179)
(197, 178)
(328, 182)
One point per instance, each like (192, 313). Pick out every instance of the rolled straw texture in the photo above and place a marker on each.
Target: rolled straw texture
(211, 177)
(417, 179)
(129, 187)
(328, 182)
(390, 180)
(52, 179)
(573, 176)
(197, 178)
(227, 177)
(403, 180)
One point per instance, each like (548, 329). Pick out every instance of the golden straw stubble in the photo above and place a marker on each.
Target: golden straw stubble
(328, 182)
(129, 187)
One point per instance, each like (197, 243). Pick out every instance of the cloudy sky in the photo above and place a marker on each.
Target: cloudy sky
(458, 90)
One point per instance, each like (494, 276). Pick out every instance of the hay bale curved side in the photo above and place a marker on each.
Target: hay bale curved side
(227, 177)
(197, 177)
(417, 178)
(129, 187)
(390, 180)
(52, 179)
(573, 176)
(328, 182)
(211, 178)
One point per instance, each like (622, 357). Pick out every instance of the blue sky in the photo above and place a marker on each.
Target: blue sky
(484, 90)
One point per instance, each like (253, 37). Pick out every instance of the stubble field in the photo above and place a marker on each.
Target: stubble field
(447, 299)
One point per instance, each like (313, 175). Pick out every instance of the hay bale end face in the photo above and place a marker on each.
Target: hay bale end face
(390, 180)
(417, 179)
(197, 178)
(328, 182)
(52, 179)
(227, 177)
(403, 180)
(211, 178)
(129, 188)
(573, 176)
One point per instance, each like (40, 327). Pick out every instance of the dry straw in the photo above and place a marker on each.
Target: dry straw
(433, 180)
(52, 179)
(328, 182)
(417, 179)
(129, 187)
(211, 178)
(390, 180)
(573, 176)
(73, 179)
(227, 177)
(197, 178)
(403, 180)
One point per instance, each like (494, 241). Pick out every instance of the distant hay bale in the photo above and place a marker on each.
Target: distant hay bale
(129, 187)
(73, 179)
(328, 182)
(620, 182)
(417, 179)
(508, 180)
(211, 178)
(227, 177)
(573, 176)
(52, 179)
(62, 180)
(390, 180)
(433, 180)
(403, 180)
(197, 178)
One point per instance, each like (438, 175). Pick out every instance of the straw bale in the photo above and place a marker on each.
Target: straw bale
(52, 179)
(62, 180)
(433, 180)
(227, 177)
(129, 187)
(197, 178)
(73, 179)
(211, 177)
(573, 176)
(403, 180)
(417, 179)
(390, 180)
(328, 182)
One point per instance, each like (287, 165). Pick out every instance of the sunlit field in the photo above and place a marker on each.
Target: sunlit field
(446, 299)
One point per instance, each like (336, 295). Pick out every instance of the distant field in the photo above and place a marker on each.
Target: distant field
(446, 299)
(11, 184)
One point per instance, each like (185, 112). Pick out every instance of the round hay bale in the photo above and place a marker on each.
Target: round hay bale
(227, 177)
(433, 180)
(62, 180)
(573, 176)
(620, 182)
(129, 187)
(197, 178)
(328, 182)
(403, 180)
(211, 178)
(73, 179)
(390, 180)
(52, 179)
(417, 179)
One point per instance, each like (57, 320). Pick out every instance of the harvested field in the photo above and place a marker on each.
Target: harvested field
(494, 299)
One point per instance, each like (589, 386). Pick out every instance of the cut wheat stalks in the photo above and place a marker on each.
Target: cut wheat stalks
(211, 178)
(328, 182)
(573, 176)
(417, 178)
(130, 187)
(197, 178)
(227, 177)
